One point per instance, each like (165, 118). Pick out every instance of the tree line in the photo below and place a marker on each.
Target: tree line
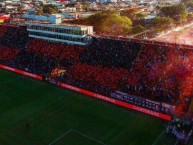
(131, 21)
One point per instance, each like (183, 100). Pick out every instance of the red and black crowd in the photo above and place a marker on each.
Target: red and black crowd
(105, 65)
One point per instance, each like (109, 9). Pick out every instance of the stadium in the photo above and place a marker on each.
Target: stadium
(72, 87)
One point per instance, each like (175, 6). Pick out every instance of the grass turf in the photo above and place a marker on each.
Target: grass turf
(54, 113)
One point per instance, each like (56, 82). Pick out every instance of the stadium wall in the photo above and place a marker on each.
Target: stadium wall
(20, 72)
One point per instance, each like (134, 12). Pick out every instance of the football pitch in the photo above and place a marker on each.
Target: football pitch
(37, 113)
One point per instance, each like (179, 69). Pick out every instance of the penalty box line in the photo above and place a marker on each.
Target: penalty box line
(57, 139)
(88, 137)
(159, 137)
(72, 130)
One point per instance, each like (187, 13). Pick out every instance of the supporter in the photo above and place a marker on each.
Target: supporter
(148, 70)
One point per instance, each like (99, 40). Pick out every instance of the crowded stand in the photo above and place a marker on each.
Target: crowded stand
(149, 76)
(155, 72)
(47, 48)
(159, 72)
(3, 28)
(72, 52)
(7, 54)
(14, 37)
(112, 53)
(34, 63)
(51, 49)
(99, 75)
(35, 45)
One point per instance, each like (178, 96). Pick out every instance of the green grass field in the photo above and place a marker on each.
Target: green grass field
(62, 117)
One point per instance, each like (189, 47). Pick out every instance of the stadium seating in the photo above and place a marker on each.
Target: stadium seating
(51, 49)
(156, 72)
(112, 53)
(14, 37)
(105, 76)
(71, 52)
(55, 50)
(3, 29)
(35, 45)
(7, 53)
(152, 71)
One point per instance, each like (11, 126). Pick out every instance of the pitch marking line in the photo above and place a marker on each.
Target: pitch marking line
(57, 139)
(87, 136)
(177, 142)
(159, 136)
(72, 130)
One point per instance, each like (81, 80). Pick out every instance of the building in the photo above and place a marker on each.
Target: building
(54, 30)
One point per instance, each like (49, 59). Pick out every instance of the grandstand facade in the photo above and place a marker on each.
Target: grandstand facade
(154, 77)
(62, 33)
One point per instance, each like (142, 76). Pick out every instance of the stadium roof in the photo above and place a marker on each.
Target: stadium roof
(61, 24)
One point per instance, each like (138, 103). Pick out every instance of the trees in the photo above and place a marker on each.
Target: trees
(180, 19)
(190, 17)
(108, 22)
(20, 9)
(161, 23)
(141, 15)
(86, 7)
(40, 12)
(173, 11)
(137, 18)
(133, 14)
(188, 3)
(176, 12)
(50, 9)
(115, 24)
(47, 9)
(138, 29)
(130, 13)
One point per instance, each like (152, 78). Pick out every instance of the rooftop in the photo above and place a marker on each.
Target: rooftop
(61, 24)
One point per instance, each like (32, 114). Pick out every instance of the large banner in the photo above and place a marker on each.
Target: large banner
(144, 103)
(20, 72)
(117, 102)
